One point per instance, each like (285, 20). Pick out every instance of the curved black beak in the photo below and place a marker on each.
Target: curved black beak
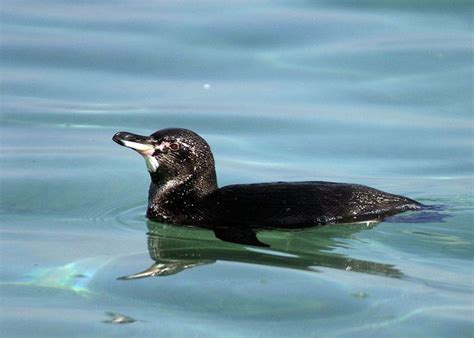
(136, 142)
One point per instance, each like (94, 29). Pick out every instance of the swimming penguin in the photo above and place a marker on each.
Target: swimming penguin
(184, 190)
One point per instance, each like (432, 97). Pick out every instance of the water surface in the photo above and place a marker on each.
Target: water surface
(371, 92)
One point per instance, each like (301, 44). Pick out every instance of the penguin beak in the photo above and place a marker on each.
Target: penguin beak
(139, 143)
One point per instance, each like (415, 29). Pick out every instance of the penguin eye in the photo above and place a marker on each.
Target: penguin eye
(174, 146)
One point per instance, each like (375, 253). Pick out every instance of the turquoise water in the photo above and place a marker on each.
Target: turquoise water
(371, 92)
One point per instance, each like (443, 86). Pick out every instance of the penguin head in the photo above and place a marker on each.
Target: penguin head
(172, 154)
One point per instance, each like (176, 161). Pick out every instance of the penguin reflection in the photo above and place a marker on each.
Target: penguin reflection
(177, 248)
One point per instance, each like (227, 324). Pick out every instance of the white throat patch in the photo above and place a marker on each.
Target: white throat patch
(151, 163)
(146, 150)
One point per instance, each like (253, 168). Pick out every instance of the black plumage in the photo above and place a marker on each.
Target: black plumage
(300, 204)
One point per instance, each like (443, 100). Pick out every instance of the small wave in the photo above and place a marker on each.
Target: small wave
(127, 215)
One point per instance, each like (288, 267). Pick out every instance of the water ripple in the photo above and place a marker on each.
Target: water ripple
(127, 215)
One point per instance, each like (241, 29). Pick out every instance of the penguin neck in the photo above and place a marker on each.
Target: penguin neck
(173, 200)
(198, 184)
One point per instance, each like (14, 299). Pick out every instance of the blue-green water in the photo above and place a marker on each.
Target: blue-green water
(372, 92)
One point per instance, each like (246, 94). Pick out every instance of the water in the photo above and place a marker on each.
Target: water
(370, 92)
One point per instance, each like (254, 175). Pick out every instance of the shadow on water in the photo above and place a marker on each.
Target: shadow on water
(435, 213)
(177, 248)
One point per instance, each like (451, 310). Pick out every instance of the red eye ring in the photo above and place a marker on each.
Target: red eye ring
(174, 146)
